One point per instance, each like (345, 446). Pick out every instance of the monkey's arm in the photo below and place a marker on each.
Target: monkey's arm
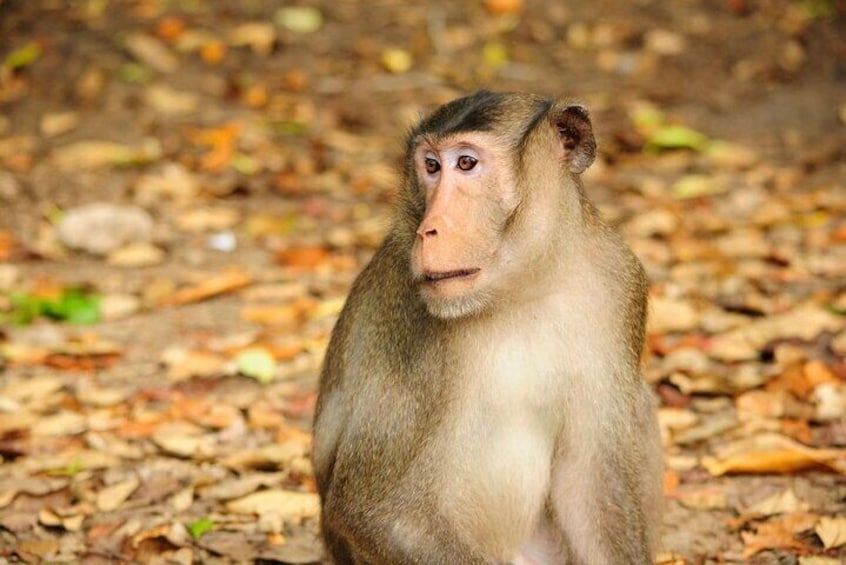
(607, 484)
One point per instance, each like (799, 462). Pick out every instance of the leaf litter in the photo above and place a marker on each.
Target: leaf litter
(158, 359)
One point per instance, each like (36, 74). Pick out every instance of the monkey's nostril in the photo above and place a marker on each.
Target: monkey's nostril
(427, 232)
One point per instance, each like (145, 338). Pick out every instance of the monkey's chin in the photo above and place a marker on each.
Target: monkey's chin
(453, 298)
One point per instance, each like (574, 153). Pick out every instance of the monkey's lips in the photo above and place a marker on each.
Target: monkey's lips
(437, 277)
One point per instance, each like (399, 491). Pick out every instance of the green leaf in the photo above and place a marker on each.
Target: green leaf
(25, 308)
(676, 137)
(494, 54)
(69, 470)
(199, 527)
(289, 128)
(134, 73)
(694, 186)
(299, 19)
(256, 363)
(74, 306)
(245, 164)
(23, 57)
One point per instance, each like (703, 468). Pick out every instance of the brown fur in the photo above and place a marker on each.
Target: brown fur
(514, 427)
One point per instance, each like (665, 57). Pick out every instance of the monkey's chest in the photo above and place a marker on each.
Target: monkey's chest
(497, 447)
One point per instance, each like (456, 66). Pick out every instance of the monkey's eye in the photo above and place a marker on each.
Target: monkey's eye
(466, 162)
(432, 166)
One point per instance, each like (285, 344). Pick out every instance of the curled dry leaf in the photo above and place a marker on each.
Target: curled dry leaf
(773, 453)
(113, 496)
(208, 219)
(779, 533)
(174, 532)
(832, 531)
(259, 36)
(671, 315)
(784, 502)
(290, 505)
(280, 455)
(135, 255)
(182, 364)
(222, 283)
(712, 498)
(62, 423)
(185, 440)
(152, 52)
(12, 486)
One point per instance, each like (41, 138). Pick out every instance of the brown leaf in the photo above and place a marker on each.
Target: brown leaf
(111, 497)
(832, 531)
(778, 534)
(221, 283)
(784, 502)
(42, 549)
(290, 505)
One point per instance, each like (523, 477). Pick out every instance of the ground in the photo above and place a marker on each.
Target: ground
(158, 363)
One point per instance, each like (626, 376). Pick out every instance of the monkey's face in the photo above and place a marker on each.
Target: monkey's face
(469, 196)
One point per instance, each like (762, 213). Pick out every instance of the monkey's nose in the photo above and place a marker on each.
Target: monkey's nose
(427, 232)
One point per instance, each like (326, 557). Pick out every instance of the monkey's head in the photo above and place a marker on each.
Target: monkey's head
(489, 176)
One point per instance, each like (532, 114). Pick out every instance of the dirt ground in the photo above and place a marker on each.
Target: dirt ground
(264, 145)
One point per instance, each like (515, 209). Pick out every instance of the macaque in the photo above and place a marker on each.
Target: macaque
(481, 400)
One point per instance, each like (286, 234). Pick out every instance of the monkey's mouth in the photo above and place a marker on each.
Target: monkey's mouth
(434, 277)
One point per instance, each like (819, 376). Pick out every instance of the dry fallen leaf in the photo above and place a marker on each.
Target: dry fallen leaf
(290, 505)
(773, 453)
(111, 497)
(832, 531)
(779, 533)
(302, 257)
(221, 283)
(185, 440)
(784, 502)
(710, 498)
(62, 423)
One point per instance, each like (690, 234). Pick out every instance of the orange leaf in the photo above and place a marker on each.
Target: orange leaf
(778, 534)
(672, 480)
(212, 52)
(93, 362)
(502, 7)
(170, 28)
(291, 313)
(227, 281)
(9, 246)
(793, 380)
(818, 373)
(302, 257)
(276, 314)
(139, 430)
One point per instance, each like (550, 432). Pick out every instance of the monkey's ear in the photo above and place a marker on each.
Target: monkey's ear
(576, 136)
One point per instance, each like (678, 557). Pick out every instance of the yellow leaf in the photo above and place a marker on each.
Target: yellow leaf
(772, 453)
(832, 531)
(397, 60)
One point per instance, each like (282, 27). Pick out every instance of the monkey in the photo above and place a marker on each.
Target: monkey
(481, 398)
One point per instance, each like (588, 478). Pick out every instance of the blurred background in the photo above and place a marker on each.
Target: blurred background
(188, 188)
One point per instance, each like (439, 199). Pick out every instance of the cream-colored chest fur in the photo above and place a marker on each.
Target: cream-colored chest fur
(512, 392)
